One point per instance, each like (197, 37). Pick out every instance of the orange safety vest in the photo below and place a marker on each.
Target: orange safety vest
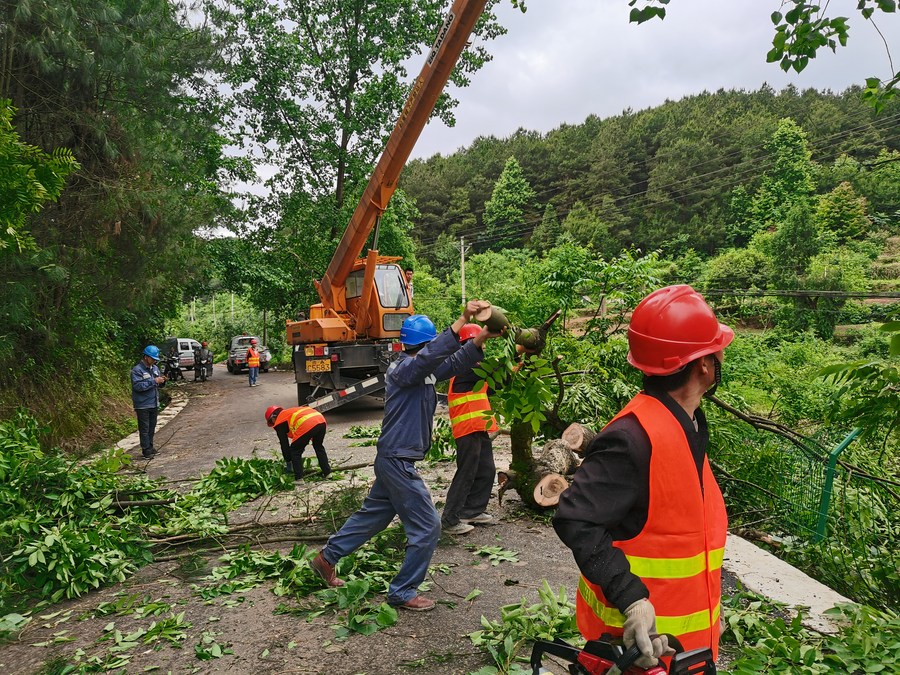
(678, 554)
(300, 420)
(470, 411)
(252, 358)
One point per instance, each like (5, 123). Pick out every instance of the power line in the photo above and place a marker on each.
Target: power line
(806, 293)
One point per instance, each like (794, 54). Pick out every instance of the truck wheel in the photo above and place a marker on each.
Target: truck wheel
(230, 367)
(304, 391)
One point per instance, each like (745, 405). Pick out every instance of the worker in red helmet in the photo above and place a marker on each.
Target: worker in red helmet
(644, 516)
(471, 422)
(253, 362)
(296, 427)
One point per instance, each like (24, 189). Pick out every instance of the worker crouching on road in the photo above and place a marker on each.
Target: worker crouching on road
(471, 422)
(296, 427)
(644, 516)
(410, 401)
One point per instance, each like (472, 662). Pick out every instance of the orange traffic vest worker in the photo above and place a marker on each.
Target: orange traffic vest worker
(296, 427)
(471, 421)
(252, 357)
(644, 516)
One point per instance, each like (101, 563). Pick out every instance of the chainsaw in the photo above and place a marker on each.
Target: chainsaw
(598, 656)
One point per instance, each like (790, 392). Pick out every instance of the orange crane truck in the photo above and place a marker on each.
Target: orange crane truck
(343, 349)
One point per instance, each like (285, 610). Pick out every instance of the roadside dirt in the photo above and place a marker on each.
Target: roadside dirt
(224, 417)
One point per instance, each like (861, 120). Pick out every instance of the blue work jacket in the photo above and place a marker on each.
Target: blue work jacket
(144, 390)
(410, 399)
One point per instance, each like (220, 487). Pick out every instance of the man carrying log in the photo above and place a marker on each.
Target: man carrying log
(644, 517)
(471, 422)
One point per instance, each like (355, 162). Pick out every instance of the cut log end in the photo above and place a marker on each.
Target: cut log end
(578, 437)
(549, 488)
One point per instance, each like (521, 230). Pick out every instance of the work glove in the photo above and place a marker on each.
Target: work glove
(640, 629)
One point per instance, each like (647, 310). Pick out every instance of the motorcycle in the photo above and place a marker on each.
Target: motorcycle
(170, 368)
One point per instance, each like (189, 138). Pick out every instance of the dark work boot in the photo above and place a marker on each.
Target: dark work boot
(325, 571)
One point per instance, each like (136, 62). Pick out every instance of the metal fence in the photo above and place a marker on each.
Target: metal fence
(839, 524)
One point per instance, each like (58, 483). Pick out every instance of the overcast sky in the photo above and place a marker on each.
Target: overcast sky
(566, 59)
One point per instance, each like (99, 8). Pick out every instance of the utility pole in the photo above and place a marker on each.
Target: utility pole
(214, 310)
(462, 267)
(232, 306)
(192, 309)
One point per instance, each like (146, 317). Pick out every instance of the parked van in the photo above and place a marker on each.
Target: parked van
(185, 346)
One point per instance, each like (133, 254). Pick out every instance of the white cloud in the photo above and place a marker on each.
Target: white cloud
(566, 59)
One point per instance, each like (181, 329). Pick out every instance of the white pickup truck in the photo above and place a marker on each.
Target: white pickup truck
(237, 354)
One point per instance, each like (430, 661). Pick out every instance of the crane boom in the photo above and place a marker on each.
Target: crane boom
(442, 58)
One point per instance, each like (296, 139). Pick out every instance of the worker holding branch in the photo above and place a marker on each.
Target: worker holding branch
(644, 516)
(471, 422)
(410, 402)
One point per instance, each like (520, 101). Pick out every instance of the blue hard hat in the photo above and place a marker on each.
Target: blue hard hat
(152, 351)
(417, 330)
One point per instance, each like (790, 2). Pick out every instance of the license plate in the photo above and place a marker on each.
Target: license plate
(318, 366)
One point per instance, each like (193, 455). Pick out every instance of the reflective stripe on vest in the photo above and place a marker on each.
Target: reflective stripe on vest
(470, 411)
(300, 420)
(252, 358)
(678, 554)
(675, 625)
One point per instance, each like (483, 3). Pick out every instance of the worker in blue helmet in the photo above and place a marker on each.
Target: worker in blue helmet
(145, 383)
(398, 490)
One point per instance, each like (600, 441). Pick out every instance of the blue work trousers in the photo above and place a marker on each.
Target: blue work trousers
(146, 418)
(254, 373)
(398, 490)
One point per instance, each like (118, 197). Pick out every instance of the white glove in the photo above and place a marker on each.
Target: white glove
(640, 629)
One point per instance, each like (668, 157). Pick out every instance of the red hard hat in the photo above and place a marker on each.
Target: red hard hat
(670, 328)
(203, 344)
(252, 341)
(469, 331)
(271, 413)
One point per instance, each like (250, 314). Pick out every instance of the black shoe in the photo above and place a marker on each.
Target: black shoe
(300, 477)
(148, 453)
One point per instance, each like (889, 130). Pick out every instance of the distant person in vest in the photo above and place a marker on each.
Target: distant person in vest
(296, 427)
(253, 362)
(408, 275)
(471, 422)
(145, 383)
(644, 516)
(398, 490)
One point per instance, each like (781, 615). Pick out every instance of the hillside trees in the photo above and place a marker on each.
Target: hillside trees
(506, 210)
(685, 169)
(121, 85)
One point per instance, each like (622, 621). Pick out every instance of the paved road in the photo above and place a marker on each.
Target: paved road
(224, 417)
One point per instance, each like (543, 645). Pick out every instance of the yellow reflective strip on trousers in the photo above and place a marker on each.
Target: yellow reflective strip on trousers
(675, 568)
(676, 625)
(468, 398)
(296, 425)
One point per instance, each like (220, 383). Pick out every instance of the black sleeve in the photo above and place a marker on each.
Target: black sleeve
(282, 431)
(608, 500)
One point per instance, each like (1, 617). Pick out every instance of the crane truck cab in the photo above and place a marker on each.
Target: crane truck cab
(334, 350)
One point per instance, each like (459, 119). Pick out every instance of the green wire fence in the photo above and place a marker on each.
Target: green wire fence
(840, 524)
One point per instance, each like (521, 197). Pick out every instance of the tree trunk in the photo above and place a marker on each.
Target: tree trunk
(548, 489)
(539, 478)
(520, 436)
(578, 437)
